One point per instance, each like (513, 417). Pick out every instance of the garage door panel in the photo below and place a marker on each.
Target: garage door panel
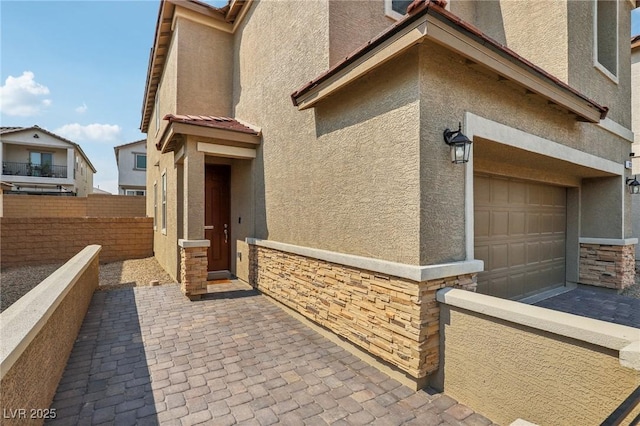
(499, 256)
(517, 223)
(499, 191)
(482, 224)
(517, 254)
(499, 224)
(520, 234)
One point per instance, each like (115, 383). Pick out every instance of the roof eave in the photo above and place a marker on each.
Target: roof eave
(446, 29)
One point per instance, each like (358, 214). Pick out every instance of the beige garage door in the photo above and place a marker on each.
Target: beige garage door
(520, 232)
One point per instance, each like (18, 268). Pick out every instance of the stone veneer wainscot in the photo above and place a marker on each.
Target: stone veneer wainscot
(394, 318)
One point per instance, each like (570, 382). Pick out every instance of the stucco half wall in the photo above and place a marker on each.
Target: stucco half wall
(508, 360)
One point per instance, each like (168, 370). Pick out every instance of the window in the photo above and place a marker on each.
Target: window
(157, 109)
(40, 163)
(155, 205)
(606, 37)
(140, 161)
(164, 202)
(134, 192)
(396, 8)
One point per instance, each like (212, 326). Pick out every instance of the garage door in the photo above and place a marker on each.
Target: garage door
(520, 232)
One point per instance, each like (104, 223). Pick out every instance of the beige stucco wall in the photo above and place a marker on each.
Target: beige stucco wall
(342, 177)
(584, 76)
(558, 37)
(506, 371)
(635, 114)
(446, 97)
(205, 69)
(353, 23)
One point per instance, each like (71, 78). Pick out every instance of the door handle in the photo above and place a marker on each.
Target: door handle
(226, 234)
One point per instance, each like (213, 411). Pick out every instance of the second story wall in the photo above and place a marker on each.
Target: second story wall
(353, 23)
(205, 69)
(562, 38)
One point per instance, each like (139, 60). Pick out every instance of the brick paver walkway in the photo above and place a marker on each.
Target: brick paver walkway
(601, 304)
(148, 355)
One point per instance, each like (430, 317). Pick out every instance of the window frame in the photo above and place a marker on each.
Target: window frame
(163, 222)
(155, 205)
(133, 192)
(596, 63)
(135, 160)
(388, 10)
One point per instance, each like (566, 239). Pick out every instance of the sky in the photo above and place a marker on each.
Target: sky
(78, 69)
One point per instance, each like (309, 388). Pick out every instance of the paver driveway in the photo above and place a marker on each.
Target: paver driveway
(148, 355)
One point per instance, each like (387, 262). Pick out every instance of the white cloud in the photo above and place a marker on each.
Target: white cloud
(23, 96)
(82, 108)
(90, 133)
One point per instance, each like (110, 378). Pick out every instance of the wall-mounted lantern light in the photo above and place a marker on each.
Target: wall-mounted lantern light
(459, 143)
(634, 185)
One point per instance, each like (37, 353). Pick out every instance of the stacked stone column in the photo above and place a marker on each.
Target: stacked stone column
(607, 265)
(193, 267)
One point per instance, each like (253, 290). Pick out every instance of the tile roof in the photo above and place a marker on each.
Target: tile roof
(224, 123)
(420, 8)
(635, 41)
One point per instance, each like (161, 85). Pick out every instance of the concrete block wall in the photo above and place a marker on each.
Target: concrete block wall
(94, 205)
(37, 241)
(38, 335)
(610, 266)
(392, 318)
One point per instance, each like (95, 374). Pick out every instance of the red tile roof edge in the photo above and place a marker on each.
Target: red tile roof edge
(418, 9)
(635, 41)
(213, 122)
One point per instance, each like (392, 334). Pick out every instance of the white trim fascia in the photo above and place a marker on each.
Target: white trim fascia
(402, 270)
(226, 151)
(469, 213)
(608, 241)
(497, 132)
(21, 322)
(601, 333)
(616, 128)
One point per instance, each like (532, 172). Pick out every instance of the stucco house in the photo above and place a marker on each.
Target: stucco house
(310, 150)
(37, 161)
(131, 159)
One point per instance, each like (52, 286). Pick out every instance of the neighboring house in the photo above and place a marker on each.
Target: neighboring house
(345, 205)
(131, 159)
(635, 113)
(100, 191)
(37, 161)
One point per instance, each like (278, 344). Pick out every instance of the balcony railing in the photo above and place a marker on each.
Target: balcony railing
(38, 170)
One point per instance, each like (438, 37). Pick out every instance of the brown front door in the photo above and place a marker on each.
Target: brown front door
(217, 218)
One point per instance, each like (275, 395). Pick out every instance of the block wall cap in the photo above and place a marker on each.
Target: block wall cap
(193, 243)
(609, 241)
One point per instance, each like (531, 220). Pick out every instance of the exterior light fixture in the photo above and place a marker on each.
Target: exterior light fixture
(459, 143)
(634, 186)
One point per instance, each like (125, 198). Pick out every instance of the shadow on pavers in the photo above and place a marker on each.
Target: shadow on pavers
(107, 378)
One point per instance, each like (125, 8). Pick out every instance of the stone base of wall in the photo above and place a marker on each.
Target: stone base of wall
(393, 318)
(611, 266)
(193, 268)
